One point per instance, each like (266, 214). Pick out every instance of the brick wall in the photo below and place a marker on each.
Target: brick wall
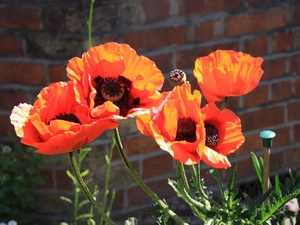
(37, 37)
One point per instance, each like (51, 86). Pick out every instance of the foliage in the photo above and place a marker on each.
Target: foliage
(20, 174)
(266, 209)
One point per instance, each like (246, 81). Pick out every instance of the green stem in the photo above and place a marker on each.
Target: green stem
(86, 191)
(108, 162)
(142, 184)
(89, 24)
(181, 176)
(223, 103)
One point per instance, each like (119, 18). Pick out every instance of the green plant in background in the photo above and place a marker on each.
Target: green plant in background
(75, 206)
(20, 174)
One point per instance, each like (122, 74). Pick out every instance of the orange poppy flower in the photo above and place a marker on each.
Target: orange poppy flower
(177, 125)
(226, 73)
(223, 135)
(113, 75)
(57, 123)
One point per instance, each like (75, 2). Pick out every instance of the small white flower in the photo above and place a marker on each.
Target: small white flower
(5, 150)
(12, 222)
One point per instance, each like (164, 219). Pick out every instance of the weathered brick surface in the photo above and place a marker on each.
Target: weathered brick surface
(30, 17)
(23, 73)
(36, 48)
(256, 46)
(208, 30)
(10, 45)
(255, 22)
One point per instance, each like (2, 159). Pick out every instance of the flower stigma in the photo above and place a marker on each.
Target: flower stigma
(186, 130)
(212, 136)
(67, 117)
(116, 90)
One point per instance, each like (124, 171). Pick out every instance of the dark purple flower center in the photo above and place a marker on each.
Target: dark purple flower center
(212, 136)
(176, 75)
(116, 90)
(186, 130)
(67, 117)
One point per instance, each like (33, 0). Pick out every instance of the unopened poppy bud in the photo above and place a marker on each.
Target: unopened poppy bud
(177, 77)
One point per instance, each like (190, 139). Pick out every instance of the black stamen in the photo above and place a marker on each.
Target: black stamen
(212, 136)
(186, 130)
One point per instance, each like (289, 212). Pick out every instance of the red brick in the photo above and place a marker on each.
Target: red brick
(255, 22)
(296, 131)
(20, 17)
(273, 68)
(282, 137)
(57, 73)
(281, 91)
(140, 145)
(163, 62)
(63, 182)
(232, 103)
(256, 97)
(276, 161)
(156, 11)
(245, 169)
(297, 87)
(208, 30)
(23, 73)
(187, 58)
(254, 3)
(282, 42)
(6, 126)
(253, 143)
(137, 197)
(10, 98)
(193, 7)
(256, 46)
(293, 158)
(157, 165)
(10, 45)
(261, 119)
(293, 111)
(295, 65)
(142, 40)
(295, 19)
(54, 19)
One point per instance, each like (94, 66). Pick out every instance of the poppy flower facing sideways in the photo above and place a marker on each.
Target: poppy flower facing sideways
(226, 73)
(223, 135)
(177, 125)
(114, 76)
(57, 123)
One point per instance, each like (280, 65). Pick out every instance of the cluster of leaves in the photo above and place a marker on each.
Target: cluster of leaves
(20, 174)
(76, 207)
(232, 210)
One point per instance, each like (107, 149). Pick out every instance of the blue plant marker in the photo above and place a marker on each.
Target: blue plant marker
(267, 136)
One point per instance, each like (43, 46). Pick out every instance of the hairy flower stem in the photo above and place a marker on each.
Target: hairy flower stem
(86, 190)
(90, 23)
(223, 103)
(142, 184)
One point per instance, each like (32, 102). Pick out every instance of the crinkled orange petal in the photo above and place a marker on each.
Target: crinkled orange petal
(213, 158)
(19, 116)
(161, 124)
(226, 73)
(229, 128)
(70, 141)
(105, 110)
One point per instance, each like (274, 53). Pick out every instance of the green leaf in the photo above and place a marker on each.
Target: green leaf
(85, 216)
(84, 173)
(71, 176)
(63, 198)
(63, 223)
(277, 185)
(257, 167)
(82, 203)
